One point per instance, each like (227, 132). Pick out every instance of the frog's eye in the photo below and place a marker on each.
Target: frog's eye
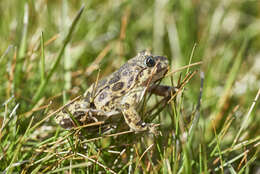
(149, 61)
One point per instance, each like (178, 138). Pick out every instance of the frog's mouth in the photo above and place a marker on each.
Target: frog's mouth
(162, 66)
(161, 73)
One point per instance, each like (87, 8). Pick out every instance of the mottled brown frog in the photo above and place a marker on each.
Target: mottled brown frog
(121, 92)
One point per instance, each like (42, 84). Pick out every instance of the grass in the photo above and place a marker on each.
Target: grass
(51, 51)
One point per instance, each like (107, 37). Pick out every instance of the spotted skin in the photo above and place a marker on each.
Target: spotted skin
(121, 92)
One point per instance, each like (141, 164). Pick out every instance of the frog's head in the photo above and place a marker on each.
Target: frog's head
(151, 68)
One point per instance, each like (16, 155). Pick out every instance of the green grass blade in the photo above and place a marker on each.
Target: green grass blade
(41, 89)
(42, 59)
(22, 48)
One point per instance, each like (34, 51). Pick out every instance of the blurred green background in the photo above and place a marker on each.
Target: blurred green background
(225, 36)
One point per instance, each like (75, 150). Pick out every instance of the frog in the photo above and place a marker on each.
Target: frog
(119, 93)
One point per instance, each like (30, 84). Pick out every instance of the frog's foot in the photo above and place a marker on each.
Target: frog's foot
(153, 128)
(69, 118)
(64, 121)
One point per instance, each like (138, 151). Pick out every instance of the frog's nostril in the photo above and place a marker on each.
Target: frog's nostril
(164, 58)
(161, 58)
(159, 66)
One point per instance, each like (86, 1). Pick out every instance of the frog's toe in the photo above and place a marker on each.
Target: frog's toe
(64, 122)
(153, 128)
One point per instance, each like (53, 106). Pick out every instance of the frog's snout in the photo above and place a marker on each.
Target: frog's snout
(162, 64)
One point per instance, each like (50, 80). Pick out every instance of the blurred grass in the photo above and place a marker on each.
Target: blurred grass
(226, 136)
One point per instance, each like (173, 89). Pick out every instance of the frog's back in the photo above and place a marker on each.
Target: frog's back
(107, 92)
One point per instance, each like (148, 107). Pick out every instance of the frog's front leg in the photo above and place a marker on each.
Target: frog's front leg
(132, 117)
(162, 90)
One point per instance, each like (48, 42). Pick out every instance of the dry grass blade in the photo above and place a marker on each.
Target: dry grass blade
(95, 65)
(55, 112)
(42, 86)
(96, 162)
(184, 82)
(111, 135)
(182, 68)
(245, 120)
